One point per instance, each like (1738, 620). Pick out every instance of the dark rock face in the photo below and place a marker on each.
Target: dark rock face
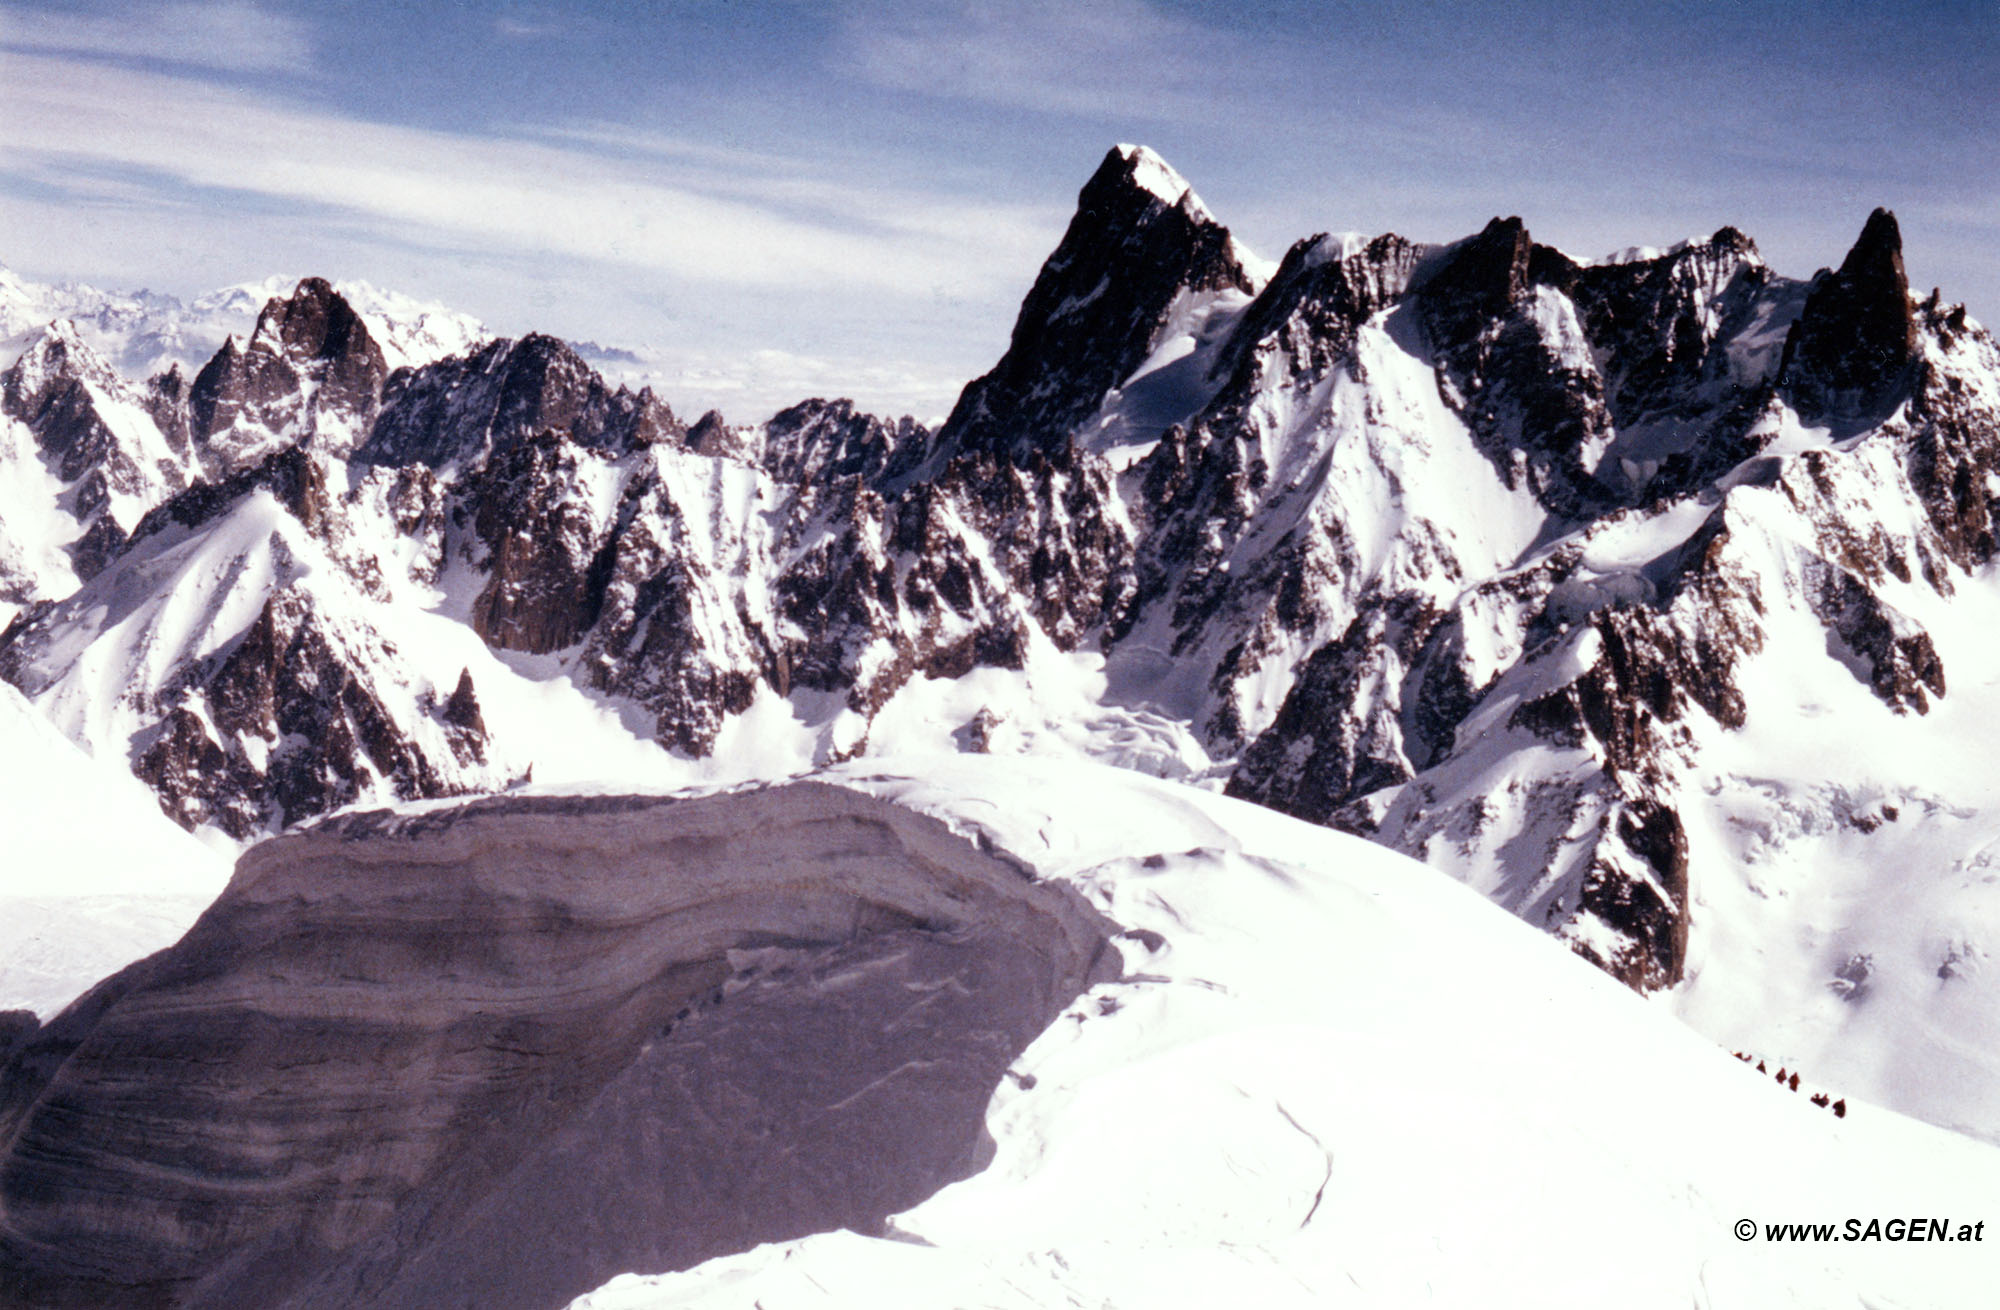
(1329, 744)
(458, 411)
(1313, 306)
(295, 687)
(1664, 318)
(310, 375)
(711, 435)
(319, 328)
(16, 1027)
(1535, 407)
(544, 587)
(822, 441)
(1953, 451)
(663, 638)
(167, 402)
(1480, 279)
(1900, 663)
(1853, 346)
(461, 710)
(237, 386)
(500, 1054)
(1096, 306)
(294, 477)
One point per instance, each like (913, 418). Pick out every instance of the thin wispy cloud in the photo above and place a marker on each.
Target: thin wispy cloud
(228, 35)
(524, 29)
(1117, 58)
(702, 225)
(798, 186)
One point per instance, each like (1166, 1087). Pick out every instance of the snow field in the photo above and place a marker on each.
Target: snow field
(1337, 1078)
(93, 875)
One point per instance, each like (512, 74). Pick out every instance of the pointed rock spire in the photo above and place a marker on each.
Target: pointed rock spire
(310, 368)
(247, 388)
(711, 435)
(1475, 281)
(316, 322)
(461, 709)
(1138, 239)
(1854, 342)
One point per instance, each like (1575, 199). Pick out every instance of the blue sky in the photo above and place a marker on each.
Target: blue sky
(862, 191)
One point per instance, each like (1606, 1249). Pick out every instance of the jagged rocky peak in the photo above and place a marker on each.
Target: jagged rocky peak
(310, 373)
(237, 397)
(545, 542)
(712, 436)
(1853, 345)
(1732, 240)
(295, 478)
(1467, 285)
(461, 708)
(289, 726)
(1140, 239)
(1688, 341)
(57, 353)
(458, 411)
(318, 327)
(1325, 288)
(167, 401)
(821, 440)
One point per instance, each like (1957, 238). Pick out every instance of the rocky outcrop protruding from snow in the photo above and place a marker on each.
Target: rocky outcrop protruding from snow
(545, 532)
(294, 477)
(253, 683)
(458, 411)
(1140, 238)
(1851, 351)
(824, 441)
(101, 437)
(310, 374)
(504, 1052)
(1322, 293)
(1518, 367)
(289, 725)
(711, 435)
(1469, 285)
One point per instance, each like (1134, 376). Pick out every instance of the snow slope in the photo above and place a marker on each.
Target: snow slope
(35, 532)
(93, 876)
(1332, 1077)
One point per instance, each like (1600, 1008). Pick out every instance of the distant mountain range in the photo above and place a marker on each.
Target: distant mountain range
(1649, 596)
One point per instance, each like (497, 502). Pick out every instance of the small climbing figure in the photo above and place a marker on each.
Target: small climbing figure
(1840, 1108)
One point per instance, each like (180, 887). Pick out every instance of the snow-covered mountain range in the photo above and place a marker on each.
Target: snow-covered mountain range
(141, 333)
(1647, 596)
